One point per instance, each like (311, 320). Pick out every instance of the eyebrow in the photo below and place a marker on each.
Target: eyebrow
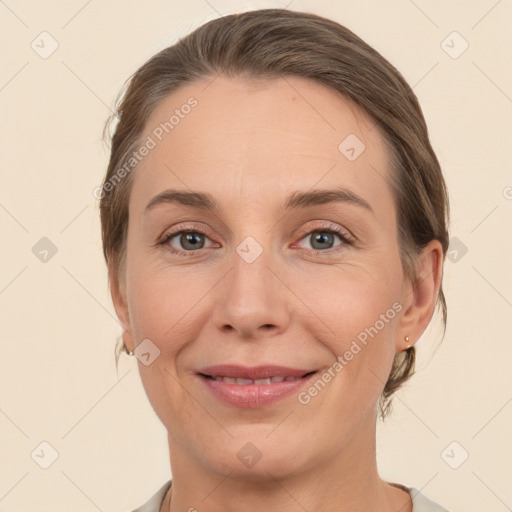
(297, 199)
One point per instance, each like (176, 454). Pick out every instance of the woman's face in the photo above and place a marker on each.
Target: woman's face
(266, 280)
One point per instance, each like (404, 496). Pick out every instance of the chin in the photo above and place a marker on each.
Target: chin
(255, 457)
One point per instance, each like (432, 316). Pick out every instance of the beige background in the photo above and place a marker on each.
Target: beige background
(58, 380)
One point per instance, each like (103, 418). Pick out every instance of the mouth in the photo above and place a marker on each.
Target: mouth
(244, 382)
(250, 387)
(242, 375)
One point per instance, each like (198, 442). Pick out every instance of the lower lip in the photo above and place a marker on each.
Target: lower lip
(249, 396)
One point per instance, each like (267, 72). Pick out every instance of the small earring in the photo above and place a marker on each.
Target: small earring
(407, 343)
(127, 350)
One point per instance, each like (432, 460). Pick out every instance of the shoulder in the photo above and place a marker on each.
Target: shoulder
(420, 503)
(155, 502)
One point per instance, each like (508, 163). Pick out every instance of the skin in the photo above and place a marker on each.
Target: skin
(250, 144)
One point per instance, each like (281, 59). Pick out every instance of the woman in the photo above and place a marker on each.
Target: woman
(274, 222)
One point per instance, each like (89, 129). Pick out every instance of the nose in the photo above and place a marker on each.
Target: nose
(253, 300)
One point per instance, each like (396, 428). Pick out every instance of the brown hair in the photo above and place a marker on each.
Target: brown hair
(270, 43)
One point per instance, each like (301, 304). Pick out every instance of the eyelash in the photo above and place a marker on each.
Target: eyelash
(193, 230)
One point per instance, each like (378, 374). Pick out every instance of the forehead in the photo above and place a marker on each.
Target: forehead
(241, 139)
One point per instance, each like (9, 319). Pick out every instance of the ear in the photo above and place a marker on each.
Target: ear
(419, 298)
(118, 292)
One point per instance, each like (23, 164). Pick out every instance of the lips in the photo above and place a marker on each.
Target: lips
(253, 387)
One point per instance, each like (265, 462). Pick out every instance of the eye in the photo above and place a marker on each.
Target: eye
(184, 241)
(322, 239)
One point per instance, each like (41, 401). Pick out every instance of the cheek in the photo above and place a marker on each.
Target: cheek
(162, 309)
(347, 300)
(162, 301)
(355, 315)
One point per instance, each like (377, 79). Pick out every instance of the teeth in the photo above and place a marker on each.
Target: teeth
(244, 381)
(241, 381)
(263, 381)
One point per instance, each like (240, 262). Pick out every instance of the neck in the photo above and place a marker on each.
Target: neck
(346, 481)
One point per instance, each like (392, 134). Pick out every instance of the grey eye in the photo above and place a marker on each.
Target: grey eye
(322, 239)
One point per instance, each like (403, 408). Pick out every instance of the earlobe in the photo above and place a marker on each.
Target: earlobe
(420, 296)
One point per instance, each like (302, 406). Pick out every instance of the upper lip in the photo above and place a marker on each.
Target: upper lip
(254, 372)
